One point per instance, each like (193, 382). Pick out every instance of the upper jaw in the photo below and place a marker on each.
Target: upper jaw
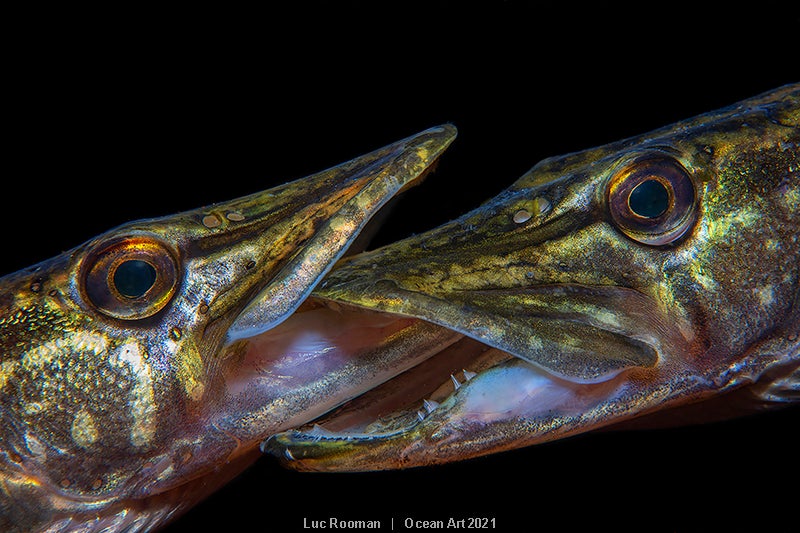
(261, 255)
(550, 287)
(361, 187)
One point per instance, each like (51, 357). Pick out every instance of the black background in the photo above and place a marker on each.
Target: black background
(119, 116)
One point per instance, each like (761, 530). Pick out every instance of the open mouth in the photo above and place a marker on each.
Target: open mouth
(320, 358)
(484, 383)
(435, 385)
(395, 376)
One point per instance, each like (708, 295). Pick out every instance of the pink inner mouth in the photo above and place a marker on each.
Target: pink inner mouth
(471, 382)
(310, 345)
(359, 372)
(315, 361)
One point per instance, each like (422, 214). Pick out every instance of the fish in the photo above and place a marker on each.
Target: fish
(138, 371)
(646, 282)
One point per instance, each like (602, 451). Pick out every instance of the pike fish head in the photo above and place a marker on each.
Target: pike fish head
(128, 365)
(603, 285)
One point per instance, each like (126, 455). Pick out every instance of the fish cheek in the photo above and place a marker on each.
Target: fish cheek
(83, 404)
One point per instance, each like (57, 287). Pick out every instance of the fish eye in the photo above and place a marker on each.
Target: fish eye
(652, 200)
(130, 278)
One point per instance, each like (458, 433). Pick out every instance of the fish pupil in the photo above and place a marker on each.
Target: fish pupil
(649, 199)
(133, 278)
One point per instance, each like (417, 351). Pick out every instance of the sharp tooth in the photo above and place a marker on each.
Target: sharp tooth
(456, 383)
(288, 454)
(469, 375)
(420, 416)
(430, 405)
(319, 431)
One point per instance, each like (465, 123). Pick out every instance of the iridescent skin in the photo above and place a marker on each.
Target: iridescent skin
(622, 321)
(114, 411)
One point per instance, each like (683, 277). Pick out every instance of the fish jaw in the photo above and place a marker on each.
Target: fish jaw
(506, 406)
(117, 356)
(499, 402)
(608, 314)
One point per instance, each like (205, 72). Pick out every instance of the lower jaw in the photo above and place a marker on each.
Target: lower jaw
(467, 383)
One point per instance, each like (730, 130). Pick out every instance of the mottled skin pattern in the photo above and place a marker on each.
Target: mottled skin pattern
(110, 406)
(546, 262)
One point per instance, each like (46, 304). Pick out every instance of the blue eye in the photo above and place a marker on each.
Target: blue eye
(133, 278)
(650, 199)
